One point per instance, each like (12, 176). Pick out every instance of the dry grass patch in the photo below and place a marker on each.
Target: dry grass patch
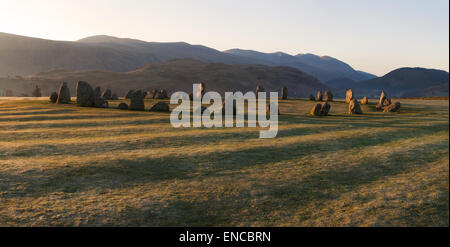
(73, 166)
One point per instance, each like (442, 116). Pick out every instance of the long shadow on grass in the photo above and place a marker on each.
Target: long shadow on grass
(38, 112)
(289, 197)
(43, 117)
(366, 120)
(120, 121)
(119, 173)
(151, 142)
(179, 141)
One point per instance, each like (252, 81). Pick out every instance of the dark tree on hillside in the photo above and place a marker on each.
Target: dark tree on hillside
(37, 92)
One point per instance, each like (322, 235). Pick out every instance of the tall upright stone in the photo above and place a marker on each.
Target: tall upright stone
(325, 109)
(284, 93)
(85, 94)
(163, 94)
(328, 96)
(137, 101)
(354, 107)
(349, 96)
(319, 96)
(154, 93)
(320, 109)
(383, 101)
(63, 94)
(383, 97)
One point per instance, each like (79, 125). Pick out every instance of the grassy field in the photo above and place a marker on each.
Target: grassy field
(62, 165)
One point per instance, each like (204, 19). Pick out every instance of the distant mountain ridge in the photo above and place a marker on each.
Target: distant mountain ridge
(20, 55)
(106, 55)
(324, 68)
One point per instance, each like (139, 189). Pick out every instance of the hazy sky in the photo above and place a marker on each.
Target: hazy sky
(376, 36)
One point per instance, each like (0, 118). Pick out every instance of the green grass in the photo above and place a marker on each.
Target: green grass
(62, 165)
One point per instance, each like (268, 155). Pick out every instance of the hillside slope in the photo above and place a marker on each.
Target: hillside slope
(409, 82)
(176, 75)
(21, 55)
(324, 68)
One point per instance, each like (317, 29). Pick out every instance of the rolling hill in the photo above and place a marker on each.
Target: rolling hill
(21, 55)
(109, 60)
(410, 82)
(175, 75)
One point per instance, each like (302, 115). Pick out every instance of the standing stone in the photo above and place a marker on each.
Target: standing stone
(315, 111)
(157, 95)
(154, 93)
(384, 101)
(107, 94)
(392, 107)
(129, 94)
(311, 97)
(100, 102)
(321, 109)
(137, 101)
(160, 107)
(161, 94)
(284, 93)
(164, 95)
(325, 109)
(64, 94)
(328, 96)
(364, 101)
(85, 94)
(383, 97)
(54, 97)
(349, 96)
(354, 107)
(319, 96)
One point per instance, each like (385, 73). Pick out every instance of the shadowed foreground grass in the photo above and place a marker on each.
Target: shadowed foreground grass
(72, 166)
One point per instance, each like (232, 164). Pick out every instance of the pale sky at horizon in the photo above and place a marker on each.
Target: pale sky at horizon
(375, 36)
